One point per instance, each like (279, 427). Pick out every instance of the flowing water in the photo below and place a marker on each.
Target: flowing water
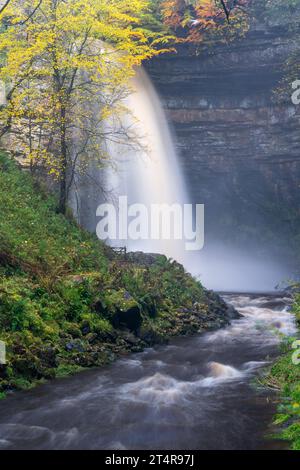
(195, 393)
(149, 175)
(144, 168)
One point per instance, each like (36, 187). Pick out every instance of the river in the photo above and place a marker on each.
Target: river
(195, 393)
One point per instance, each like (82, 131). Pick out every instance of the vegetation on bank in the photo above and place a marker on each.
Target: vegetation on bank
(284, 375)
(68, 302)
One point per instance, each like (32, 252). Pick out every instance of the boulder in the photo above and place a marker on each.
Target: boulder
(122, 310)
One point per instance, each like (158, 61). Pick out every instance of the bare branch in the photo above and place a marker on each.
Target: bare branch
(32, 13)
(226, 10)
(4, 6)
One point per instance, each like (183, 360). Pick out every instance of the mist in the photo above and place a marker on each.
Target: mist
(225, 268)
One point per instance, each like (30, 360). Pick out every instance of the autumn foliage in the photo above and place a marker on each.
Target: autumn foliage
(195, 20)
(66, 66)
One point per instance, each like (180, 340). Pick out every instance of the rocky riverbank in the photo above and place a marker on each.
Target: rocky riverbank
(69, 302)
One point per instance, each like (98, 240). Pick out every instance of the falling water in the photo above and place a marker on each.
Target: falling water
(147, 173)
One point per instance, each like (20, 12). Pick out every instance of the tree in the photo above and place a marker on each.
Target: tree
(67, 64)
(197, 20)
(284, 14)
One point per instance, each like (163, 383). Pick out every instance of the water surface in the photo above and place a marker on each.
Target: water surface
(195, 393)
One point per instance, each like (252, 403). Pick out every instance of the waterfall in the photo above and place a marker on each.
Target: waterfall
(147, 172)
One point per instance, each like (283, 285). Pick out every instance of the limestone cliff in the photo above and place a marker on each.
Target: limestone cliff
(240, 150)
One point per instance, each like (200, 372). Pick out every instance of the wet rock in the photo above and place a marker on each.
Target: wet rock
(47, 356)
(73, 330)
(74, 346)
(218, 307)
(127, 296)
(274, 304)
(123, 310)
(151, 337)
(131, 319)
(85, 328)
(107, 336)
(3, 371)
(100, 307)
(129, 337)
(232, 313)
(111, 356)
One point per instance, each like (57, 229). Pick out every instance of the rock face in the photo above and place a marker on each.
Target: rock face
(240, 150)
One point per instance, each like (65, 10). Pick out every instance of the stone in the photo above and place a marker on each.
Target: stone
(100, 307)
(131, 319)
(74, 346)
(91, 337)
(129, 337)
(47, 356)
(85, 328)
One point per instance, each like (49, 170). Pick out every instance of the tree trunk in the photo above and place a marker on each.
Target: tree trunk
(64, 161)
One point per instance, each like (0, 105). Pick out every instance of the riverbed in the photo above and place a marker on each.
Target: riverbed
(195, 393)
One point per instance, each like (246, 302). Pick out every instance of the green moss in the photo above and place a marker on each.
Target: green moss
(292, 434)
(96, 324)
(285, 376)
(64, 370)
(281, 419)
(119, 300)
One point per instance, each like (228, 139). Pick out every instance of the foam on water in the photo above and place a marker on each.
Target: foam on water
(159, 389)
(222, 371)
(192, 394)
(257, 321)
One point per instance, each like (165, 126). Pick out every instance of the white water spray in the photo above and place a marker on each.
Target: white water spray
(151, 175)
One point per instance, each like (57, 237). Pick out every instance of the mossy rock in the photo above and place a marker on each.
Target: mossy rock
(100, 307)
(124, 310)
(47, 357)
(72, 329)
(118, 300)
(3, 371)
(68, 302)
(130, 318)
(85, 327)
(151, 334)
(149, 305)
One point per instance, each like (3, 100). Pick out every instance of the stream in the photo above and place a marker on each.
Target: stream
(195, 393)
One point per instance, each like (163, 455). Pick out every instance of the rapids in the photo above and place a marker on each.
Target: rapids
(195, 393)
